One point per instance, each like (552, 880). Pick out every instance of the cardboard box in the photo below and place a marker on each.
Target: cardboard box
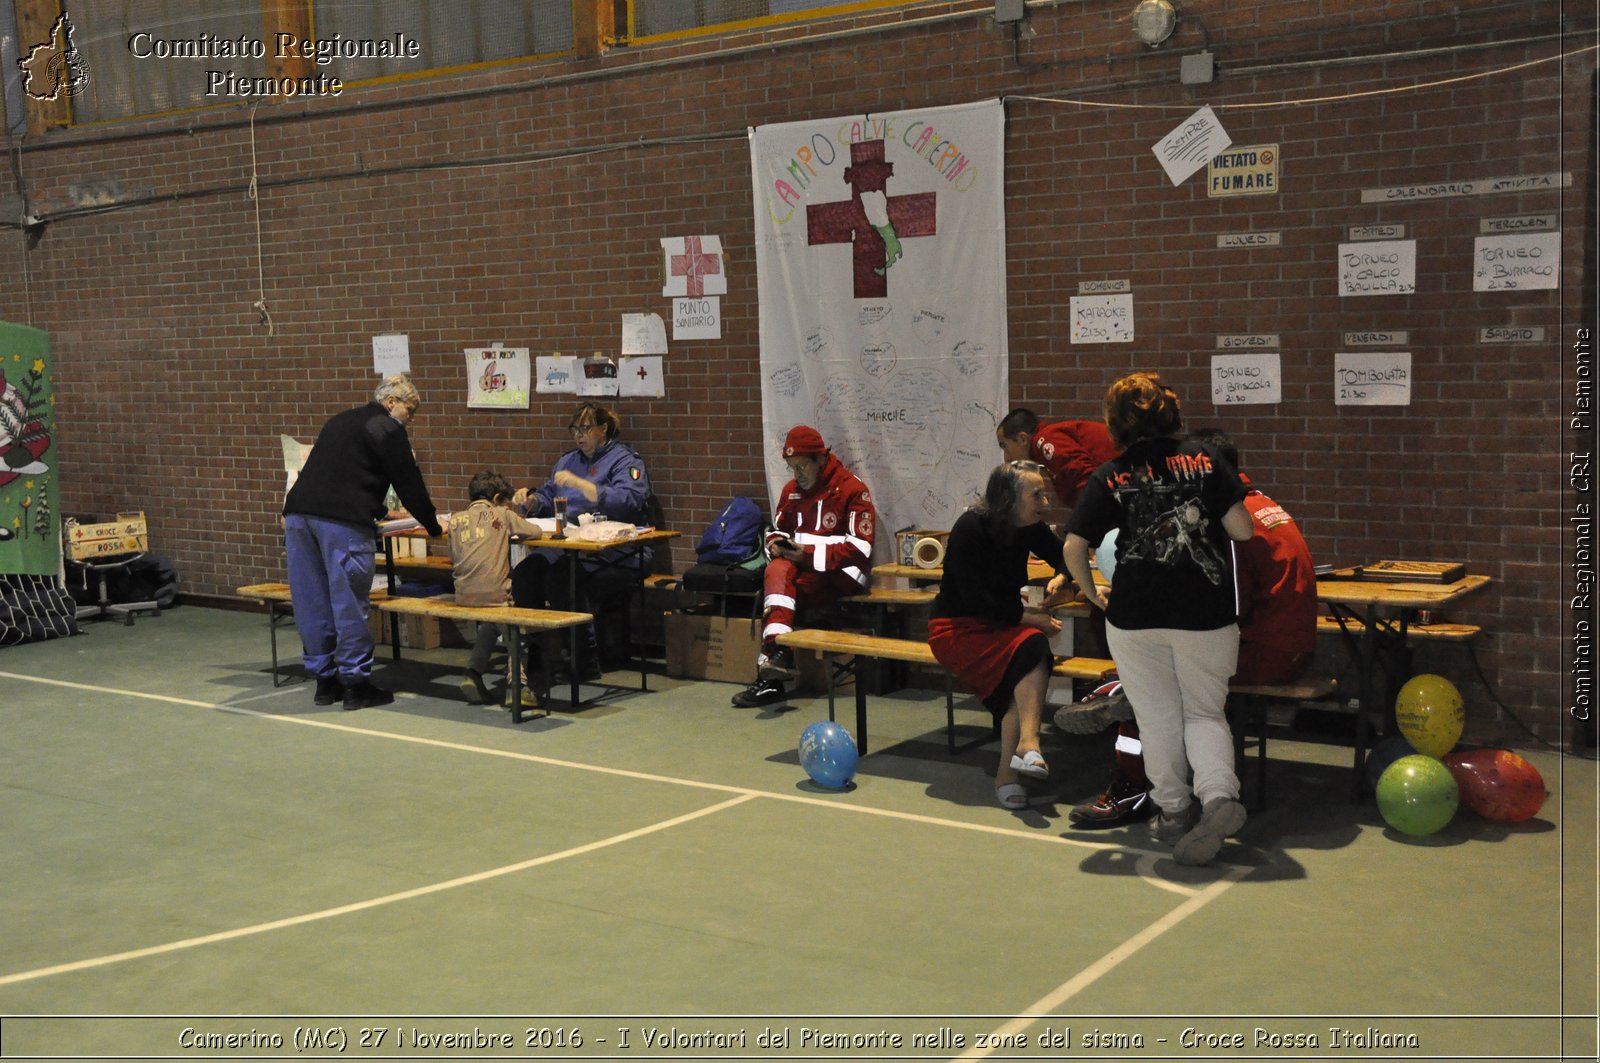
(725, 648)
(420, 632)
(128, 534)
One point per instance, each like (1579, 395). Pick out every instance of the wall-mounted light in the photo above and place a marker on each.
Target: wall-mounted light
(1154, 21)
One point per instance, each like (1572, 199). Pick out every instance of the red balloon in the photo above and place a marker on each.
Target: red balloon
(1497, 784)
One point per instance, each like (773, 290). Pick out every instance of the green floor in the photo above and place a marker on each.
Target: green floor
(191, 853)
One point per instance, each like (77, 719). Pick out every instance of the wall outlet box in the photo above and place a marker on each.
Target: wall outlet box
(1008, 11)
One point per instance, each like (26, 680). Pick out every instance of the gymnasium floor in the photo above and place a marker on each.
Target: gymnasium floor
(193, 855)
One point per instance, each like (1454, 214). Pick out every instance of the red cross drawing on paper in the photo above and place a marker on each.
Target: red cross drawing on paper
(642, 373)
(846, 221)
(694, 266)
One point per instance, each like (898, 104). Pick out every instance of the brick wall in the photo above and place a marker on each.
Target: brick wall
(172, 394)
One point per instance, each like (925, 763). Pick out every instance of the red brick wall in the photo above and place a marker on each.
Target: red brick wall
(172, 394)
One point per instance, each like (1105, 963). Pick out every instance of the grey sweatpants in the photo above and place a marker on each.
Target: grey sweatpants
(1177, 683)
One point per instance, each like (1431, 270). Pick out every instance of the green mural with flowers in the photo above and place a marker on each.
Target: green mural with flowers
(30, 526)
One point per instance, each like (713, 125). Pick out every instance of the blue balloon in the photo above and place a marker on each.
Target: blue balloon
(828, 754)
(1105, 555)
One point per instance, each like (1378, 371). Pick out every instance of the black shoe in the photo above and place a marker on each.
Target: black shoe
(329, 690)
(761, 692)
(476, 690)
(779, 664)
(588, 672)
(364, 695)
(1124, 801)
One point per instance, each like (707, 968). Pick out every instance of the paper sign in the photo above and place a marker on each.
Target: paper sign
(597, 375)
(1102, 318)
(697, 319)
(643, 334)
(1187, 148)
(555, 374)
(1378, 267)
(498, 377)
(693, 266)
(1246, 379)
(641, 376)
(391, 354)
(1516, 263)
(1372, 378)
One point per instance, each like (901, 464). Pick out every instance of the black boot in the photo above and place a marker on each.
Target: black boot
(329, 690)
(364, 695)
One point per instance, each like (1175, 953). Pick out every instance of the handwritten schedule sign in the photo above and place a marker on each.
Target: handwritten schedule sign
(1516, 263)
(391, 353)
(1102, 318)
(1246, 379)
(1372, 378)
(1378, 267)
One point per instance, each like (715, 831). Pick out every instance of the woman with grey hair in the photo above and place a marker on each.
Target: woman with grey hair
(328, 533)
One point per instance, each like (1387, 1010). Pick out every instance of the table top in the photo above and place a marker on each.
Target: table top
(585, 546)
(1346, 591)
(1038, 571)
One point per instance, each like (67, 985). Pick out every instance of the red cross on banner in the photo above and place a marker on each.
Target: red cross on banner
(694, 266)
(850, 221)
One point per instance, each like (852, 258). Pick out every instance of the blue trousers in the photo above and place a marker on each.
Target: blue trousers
(330, 579)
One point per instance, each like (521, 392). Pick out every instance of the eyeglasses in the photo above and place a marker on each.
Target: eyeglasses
(1025, 466)
(581, 429)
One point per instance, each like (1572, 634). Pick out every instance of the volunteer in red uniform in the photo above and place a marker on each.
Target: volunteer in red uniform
(820, 550)
(1070, 451)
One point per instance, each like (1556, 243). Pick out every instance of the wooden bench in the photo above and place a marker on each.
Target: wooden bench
(537, 621)
(280, 605)
(1440, 632)
(1248, 708)
(911, 651)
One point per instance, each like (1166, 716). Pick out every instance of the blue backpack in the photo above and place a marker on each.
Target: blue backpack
(735, 534)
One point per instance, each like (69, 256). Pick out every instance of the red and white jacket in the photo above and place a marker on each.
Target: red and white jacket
(834, 523)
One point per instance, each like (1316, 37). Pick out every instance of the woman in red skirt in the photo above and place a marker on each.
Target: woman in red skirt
(979, 628)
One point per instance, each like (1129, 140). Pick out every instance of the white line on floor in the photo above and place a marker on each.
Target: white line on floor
(372, 902)
(1145, 867)
(1048, 1004)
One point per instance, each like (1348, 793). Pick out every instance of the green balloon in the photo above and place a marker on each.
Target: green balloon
(1417, 795)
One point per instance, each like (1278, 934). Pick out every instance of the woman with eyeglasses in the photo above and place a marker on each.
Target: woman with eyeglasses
(601, 475)
(979, 627)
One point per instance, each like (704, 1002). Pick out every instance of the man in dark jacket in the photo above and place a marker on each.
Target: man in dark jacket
(328, 534)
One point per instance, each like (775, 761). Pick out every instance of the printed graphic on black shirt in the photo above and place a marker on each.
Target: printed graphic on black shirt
(1169, 526)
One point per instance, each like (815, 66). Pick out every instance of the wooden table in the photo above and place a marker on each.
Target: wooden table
(1385, 610)
(632, 547)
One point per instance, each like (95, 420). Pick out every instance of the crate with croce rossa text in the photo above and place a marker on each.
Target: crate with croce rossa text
(128, 534)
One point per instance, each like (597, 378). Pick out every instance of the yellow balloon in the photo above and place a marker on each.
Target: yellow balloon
(1430, 714)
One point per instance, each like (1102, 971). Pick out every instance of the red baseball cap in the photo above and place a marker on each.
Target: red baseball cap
(803, 440)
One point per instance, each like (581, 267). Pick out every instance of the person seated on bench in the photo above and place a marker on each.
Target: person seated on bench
(1277, 636)
(820, 550)
(978, 627)
(480, 559)
(600, 474)
(328, 534)
(1170, 617)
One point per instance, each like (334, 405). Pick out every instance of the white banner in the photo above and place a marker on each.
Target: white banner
(881, 268)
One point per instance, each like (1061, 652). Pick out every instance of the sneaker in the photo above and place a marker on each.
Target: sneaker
(761, 692)
(329, 690)
(364, 695)
(1124, 801)
(1167, 828)
(526, 699)
(1104, 706)
(1221, 817)
(476, 690)
(777, 664)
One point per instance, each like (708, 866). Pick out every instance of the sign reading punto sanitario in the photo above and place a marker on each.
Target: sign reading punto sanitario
(280, 46)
